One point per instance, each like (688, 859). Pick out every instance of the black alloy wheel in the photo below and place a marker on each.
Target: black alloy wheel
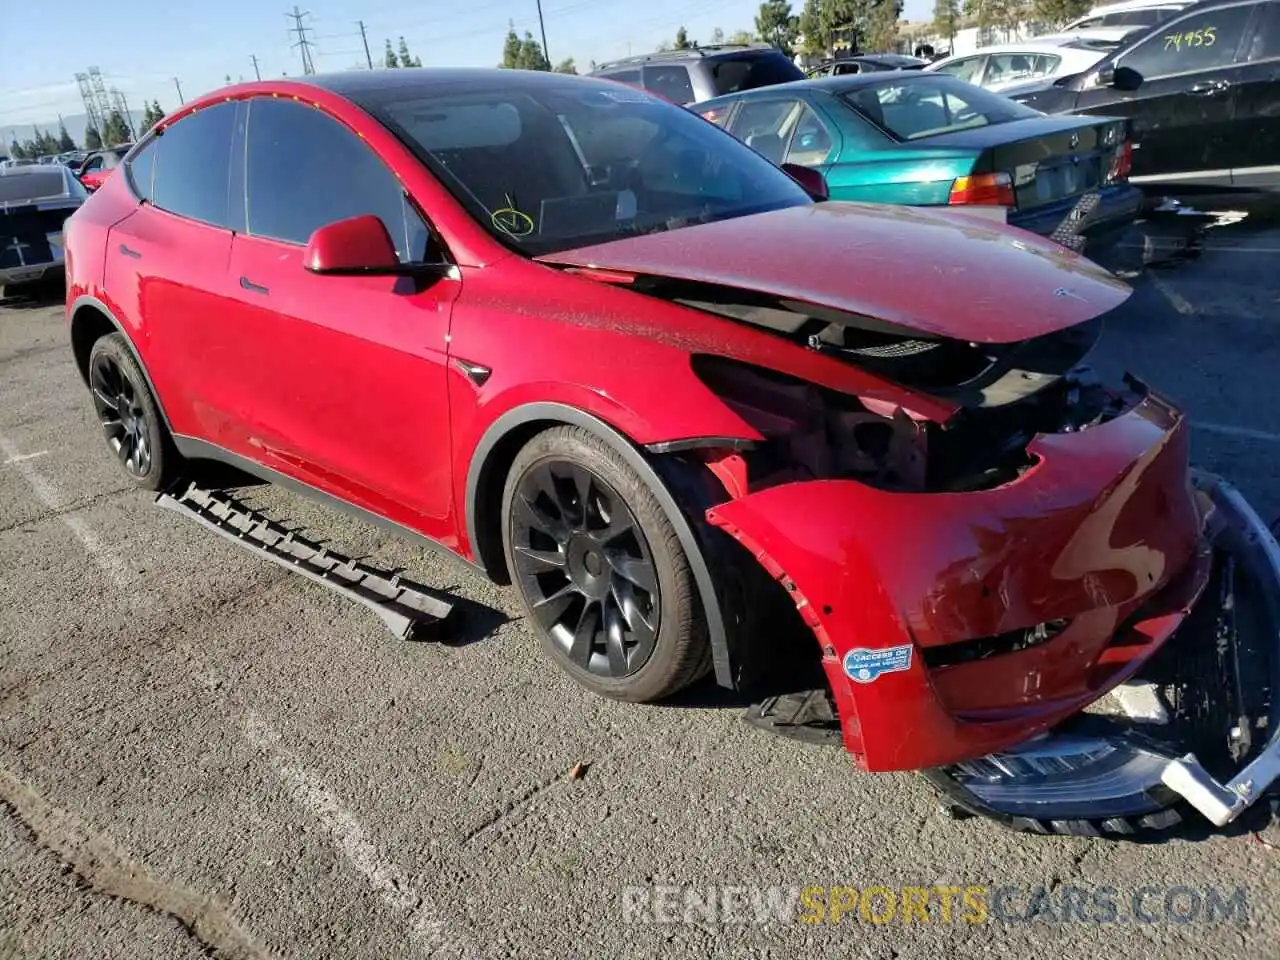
(585, 568)
(120, 408)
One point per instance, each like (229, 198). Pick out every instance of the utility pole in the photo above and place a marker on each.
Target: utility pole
(368, 58)
(256, 72)
(179, 86)
(124, 110)
(543, 27)
(303, 44)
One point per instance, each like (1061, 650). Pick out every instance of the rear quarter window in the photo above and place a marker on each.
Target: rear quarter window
(731, 74)
(671, 82)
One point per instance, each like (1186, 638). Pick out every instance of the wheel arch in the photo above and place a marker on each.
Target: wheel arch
(487, 473)
(91, 320)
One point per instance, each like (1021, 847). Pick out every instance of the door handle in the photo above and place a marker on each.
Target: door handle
(1208, 88)
(247, 284)
(130, 253)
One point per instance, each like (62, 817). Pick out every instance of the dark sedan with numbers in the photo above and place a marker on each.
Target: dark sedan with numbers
(1201, 90)
(929, 140)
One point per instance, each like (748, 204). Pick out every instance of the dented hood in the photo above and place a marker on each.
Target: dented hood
(935, 272)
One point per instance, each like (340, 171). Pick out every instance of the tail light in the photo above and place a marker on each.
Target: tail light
(984, 188)
(1121, 163)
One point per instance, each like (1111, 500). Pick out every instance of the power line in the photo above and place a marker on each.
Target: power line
(303, 44)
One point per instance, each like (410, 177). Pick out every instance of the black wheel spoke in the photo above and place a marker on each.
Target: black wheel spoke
(582, 491)
(540, 561)
(642, 626)
(105, 402)
(550, 610)
(614, 642)
(533, 515)
(639, 571)
(584, 634)
(125, 450)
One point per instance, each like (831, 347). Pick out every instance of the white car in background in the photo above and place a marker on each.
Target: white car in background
(1007, 65)
(1132, 13)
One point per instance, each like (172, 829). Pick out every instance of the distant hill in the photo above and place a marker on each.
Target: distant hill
(75, 123)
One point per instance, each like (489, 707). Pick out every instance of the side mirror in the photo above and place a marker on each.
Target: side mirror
(1106, 76)
(360, 245)
(813, 182)
(1126, 78)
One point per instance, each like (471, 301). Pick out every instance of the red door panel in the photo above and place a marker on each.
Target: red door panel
(170, 274)
(337, 381)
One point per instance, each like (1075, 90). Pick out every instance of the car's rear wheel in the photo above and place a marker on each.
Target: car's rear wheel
(128, 414)
(600, 569)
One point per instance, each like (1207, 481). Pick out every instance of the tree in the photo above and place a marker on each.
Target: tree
(92, 138)
(566, 66)
(742, 38)
(65, 143)
(717, 36)
(16, 151)
(881, 30)
(523, 54)
(682, 39)
(1055, 13)
(776, 25)
(812, 33)
(115, 130)
(389, 58)
(946, 19)
(405, 59)
(1002, 15)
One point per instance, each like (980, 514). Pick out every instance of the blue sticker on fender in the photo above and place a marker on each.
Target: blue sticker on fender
(864, 666)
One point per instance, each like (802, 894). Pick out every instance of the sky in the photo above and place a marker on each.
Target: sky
(141, 45)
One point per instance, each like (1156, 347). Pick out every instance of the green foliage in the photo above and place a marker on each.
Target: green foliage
(682, 39)
(92, 139)
(717, 36)
(811, 29)
(743, 37)
(523, 54)
(65, 143)
(1055, 13)
(1002, 15)
(407, 60)
(777, 26)
(151, 115)
(389, 57)
(946, 18)
(16, 152)
(115, 130)
(567, 66)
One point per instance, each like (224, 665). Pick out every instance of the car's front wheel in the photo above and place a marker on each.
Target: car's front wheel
(128, 414)
(600, 569)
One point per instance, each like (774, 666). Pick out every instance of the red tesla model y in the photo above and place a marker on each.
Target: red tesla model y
(700, 418)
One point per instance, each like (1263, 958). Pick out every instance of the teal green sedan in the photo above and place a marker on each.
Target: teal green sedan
(926, 139)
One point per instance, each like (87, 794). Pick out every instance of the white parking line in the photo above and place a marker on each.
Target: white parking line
(1176, 300)
(1227, 430)
(390, 882)
(22, 458)
(115, 569)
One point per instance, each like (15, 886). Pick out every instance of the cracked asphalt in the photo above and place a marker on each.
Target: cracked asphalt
(203, 754)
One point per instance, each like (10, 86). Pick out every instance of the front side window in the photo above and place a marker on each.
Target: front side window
(1198, 42)
(930, 106)
(565, 164)
(671, 83)
(191, 169)
(1017, 67)
(306, 170)
(969, 69)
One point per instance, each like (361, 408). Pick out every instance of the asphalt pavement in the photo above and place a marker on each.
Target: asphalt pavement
(201, 753)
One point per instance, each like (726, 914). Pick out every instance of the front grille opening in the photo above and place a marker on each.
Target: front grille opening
(984, 648)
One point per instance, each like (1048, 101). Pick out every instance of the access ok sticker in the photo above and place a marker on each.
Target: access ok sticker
(865, 666)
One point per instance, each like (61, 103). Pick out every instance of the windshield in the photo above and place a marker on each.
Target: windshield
(562, 165)
(929, 105)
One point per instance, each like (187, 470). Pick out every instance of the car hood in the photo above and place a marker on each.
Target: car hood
(933, 272)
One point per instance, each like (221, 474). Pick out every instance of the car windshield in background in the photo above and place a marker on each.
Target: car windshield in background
(32, 183)
(556, 167)
(927, 106)
(746, 72)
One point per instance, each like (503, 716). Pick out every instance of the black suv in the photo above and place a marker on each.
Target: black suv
(700, 73)
(1201, 89)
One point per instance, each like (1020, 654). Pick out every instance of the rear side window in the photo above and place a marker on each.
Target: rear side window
(1015, 67)
(670, 82)
(623, 76)
(731, 74)
(1266, 41)
(929, 107)
(1202, 41)
(140, 169)
(969, 69)
(191, 169)
(306, 170)
(763, 126)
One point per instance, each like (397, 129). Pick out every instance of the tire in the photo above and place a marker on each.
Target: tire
(128, 414)
(608, 587)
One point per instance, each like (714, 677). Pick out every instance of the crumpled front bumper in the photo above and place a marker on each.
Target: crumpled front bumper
(919, 601)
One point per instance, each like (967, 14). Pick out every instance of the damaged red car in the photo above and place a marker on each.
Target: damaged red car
(849, 459)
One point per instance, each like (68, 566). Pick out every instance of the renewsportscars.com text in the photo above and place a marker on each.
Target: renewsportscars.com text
(939, 904)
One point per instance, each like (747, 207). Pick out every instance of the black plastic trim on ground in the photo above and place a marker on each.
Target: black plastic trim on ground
(408, 609)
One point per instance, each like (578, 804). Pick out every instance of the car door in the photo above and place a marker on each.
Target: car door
(1257, 108)
(166, 263)
(1177, 86)
(339, 381)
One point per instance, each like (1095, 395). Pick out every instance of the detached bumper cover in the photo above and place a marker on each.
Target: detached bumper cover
(1102, 540)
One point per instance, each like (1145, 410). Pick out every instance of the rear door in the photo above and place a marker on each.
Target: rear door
(166, 264)
(1257, 108)
(1183, 103)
